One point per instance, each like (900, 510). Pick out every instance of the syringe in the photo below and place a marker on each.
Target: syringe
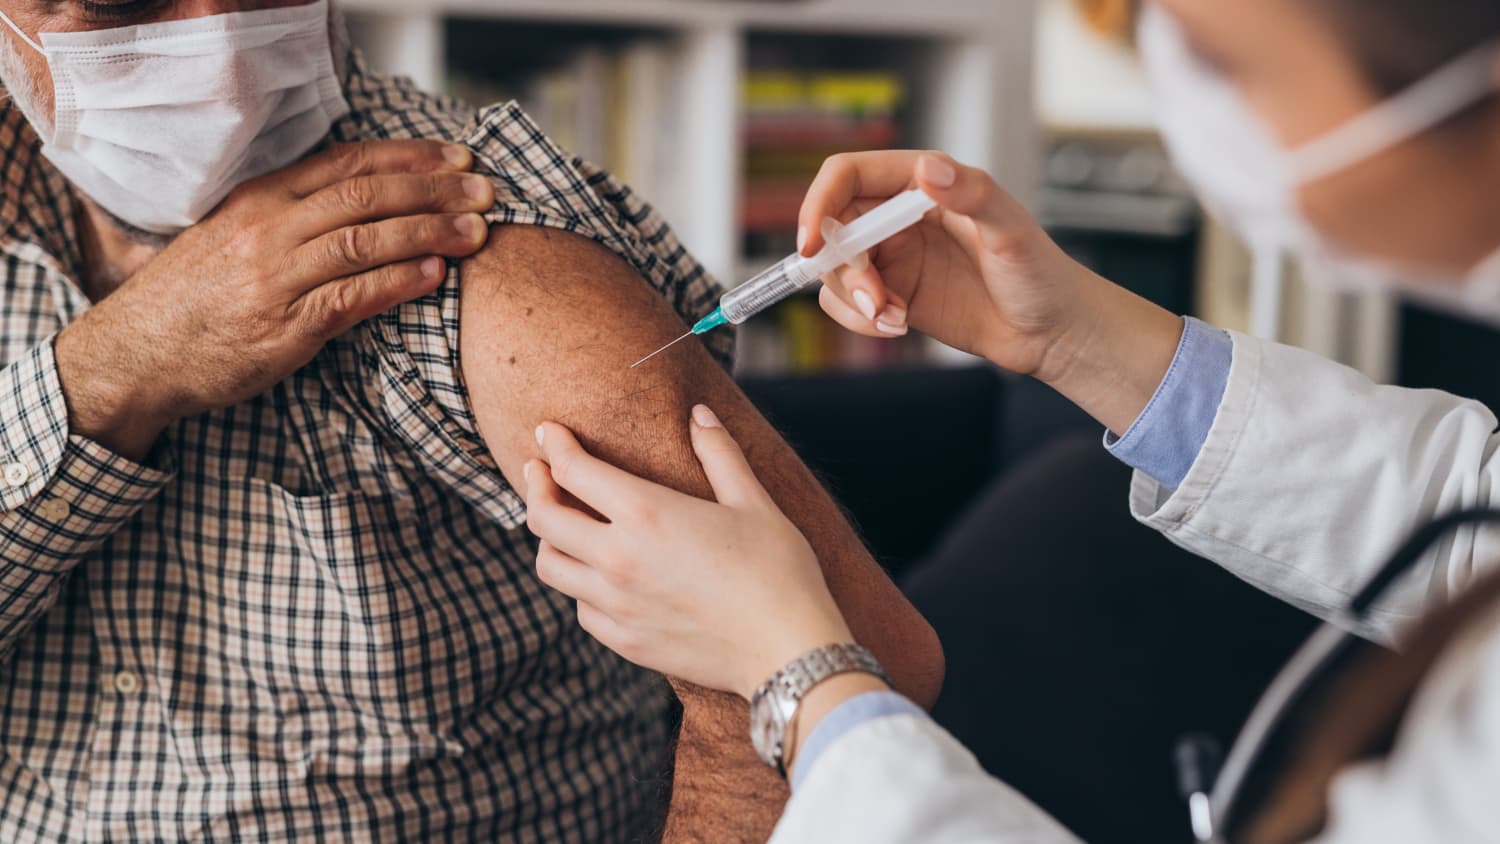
(844, 244)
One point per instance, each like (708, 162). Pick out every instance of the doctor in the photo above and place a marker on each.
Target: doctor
(1363, 135)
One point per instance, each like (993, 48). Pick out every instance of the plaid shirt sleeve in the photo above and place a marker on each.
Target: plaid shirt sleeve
(61, 496)
(536, 184)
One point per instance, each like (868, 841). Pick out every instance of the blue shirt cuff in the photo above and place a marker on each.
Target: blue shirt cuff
(852, 713)
(1165, 441)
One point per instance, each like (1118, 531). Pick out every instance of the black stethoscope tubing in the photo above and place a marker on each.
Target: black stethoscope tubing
(1321, 651)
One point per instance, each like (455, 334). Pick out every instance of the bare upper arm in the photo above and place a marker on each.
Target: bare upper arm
(550, 324)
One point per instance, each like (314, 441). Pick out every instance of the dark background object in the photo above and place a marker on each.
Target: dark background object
(1116, 205)
(902, 451)
(1444, 352)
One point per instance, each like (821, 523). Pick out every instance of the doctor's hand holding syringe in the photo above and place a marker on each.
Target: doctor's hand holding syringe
(980, 274)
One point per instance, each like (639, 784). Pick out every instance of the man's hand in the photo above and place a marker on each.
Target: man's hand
(250, 294)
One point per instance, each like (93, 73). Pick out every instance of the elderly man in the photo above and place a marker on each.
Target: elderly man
(262, 573)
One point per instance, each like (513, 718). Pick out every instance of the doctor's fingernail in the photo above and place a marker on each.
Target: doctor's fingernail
(526, 472)
(893, 314)
(541, 435)
(892, 329)
(705, 417)
(865, 304)
(938, 172)
(458, 156)
(801, 238)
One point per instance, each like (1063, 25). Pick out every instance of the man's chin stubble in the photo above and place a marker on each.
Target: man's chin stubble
(134, 234)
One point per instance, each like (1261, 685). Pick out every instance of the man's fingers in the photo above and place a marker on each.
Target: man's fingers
(569, 575)
(339, 305)
(607, 489)
(972, 192)
(729, 473)
(348, 161)
(359, 248)
(552, 518)
(381, 196)
(849, 177)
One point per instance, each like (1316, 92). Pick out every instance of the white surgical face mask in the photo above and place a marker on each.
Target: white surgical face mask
(157, 123)
(1250, 183)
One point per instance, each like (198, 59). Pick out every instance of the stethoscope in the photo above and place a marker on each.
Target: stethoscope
(1216, 794)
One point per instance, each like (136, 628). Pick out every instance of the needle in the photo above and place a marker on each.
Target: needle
(662, 349)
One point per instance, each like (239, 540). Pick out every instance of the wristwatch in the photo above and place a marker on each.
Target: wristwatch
(774, 705)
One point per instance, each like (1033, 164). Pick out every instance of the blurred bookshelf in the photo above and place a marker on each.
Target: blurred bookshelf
(720, 112)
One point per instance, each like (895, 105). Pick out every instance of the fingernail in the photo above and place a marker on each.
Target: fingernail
(860, 263)
(541, 435)
(469, 226)
(526, 472)
(891, 329)
(476, 187)
(893, 314)
(705, 417)
(865, 303)
(938, 173)
(802, 238)
(456, 155)
(432, 269)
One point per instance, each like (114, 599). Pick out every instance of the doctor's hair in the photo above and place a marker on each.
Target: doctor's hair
(1398, 42)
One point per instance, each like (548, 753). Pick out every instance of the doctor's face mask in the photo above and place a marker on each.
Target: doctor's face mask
(158, 122)
(1252, 183)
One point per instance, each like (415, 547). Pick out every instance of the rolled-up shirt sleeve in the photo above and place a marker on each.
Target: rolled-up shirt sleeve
(1167, 437)
(61, 495)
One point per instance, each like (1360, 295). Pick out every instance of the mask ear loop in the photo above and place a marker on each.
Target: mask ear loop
(1447, 91)
(20, 32)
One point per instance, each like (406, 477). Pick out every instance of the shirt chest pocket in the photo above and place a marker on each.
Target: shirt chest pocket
(346, 614)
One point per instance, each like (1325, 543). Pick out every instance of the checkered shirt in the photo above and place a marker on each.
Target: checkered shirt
(315, 615)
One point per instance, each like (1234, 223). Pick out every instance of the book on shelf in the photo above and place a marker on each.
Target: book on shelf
(795, 120)
(611, 106)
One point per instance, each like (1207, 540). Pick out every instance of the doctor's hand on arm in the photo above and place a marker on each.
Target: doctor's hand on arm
(981, 275)
(289, 261)
(722, 593)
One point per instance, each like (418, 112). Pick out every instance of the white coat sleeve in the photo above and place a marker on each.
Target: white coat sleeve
(903, 780)
(1312, 474)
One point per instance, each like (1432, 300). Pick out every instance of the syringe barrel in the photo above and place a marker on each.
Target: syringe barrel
(844, 244)
(767, 289)
(885, 221)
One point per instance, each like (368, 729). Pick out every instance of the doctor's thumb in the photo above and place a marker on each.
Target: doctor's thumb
(973, 193)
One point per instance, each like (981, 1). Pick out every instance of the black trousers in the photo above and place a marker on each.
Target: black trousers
(1081, 644)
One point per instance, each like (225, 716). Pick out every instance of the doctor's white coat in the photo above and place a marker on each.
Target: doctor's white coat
(1310, 477)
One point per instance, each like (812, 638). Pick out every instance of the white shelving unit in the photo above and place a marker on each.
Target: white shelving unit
(974, 64)
(978, 102)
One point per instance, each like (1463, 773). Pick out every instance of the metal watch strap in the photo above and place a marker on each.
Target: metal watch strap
(775, 704)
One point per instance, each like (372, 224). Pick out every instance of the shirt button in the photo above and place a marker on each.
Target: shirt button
(16, 473)
(54, 509)
(127, 683)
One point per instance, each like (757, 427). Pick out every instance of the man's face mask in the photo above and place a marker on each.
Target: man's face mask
(1247, 180)
(157, 123)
